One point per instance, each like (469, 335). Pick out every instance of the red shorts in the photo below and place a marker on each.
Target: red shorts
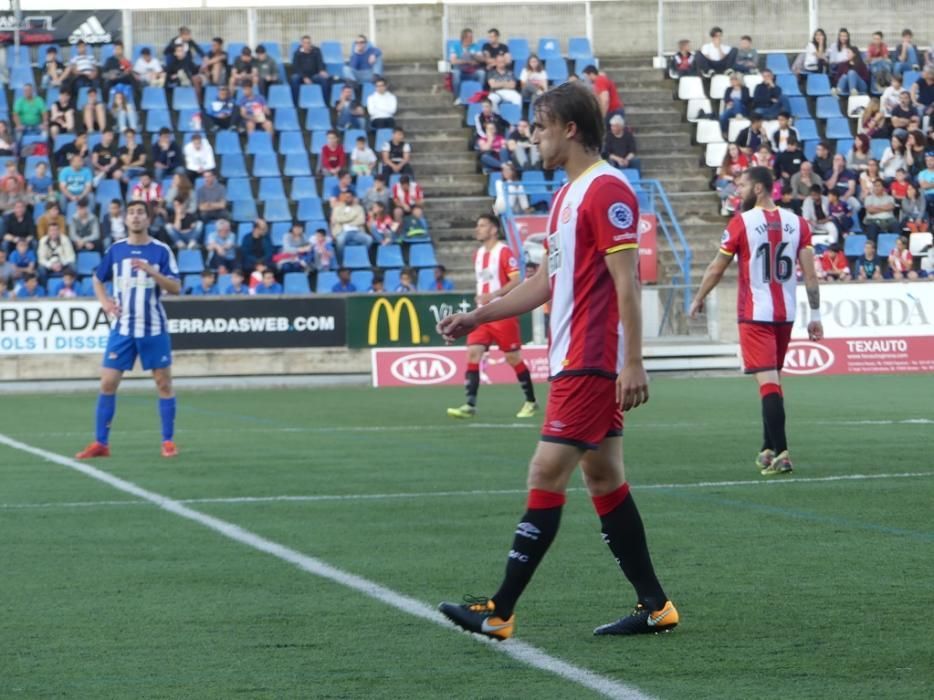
(764, 345)
(503, 334)
(582, 411)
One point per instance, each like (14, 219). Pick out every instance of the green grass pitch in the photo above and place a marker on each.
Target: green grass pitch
(807, 589)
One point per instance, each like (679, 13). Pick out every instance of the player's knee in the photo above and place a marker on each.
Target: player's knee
(109, 385)
(164, 385)
(545, 475)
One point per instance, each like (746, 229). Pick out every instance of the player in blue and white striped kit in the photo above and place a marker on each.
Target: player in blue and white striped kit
(141, 269)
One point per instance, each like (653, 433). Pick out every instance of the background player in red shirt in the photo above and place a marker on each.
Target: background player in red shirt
(595, 355)
(497, 274)
(767, 240)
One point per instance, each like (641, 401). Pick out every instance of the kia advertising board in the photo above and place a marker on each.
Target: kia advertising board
(444, 366)
(879, 328)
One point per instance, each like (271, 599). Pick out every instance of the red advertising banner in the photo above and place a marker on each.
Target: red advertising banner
(861, 356)
(441, 366)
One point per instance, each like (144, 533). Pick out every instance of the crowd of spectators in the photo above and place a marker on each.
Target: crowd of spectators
(177, 127)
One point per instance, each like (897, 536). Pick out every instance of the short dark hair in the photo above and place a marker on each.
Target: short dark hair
(493, 30)
(491, 219)
(138, 203)
(715, 30)
(746, 37)
(816, 188)
(573, 102)
(761, 176)
(590, 70)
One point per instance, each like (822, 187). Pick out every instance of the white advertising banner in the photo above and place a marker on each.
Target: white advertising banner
(52, 326)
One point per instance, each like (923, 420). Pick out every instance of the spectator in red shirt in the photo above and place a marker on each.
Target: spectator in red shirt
(833, 264)
(407, 194)
(901, 262)
(333, 159)
(605, 90)
(880, 65)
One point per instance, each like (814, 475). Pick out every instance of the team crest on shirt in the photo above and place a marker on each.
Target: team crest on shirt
(620, 215)
(725, 237)
(566, 214)
(513, 262)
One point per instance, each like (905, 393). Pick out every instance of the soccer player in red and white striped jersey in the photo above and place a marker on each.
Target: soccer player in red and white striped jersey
(768, 241)
(596, 367)
(497, 273)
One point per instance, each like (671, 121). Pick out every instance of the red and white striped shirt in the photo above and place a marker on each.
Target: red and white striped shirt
(494, 267)
(591, 217)
(767, 242)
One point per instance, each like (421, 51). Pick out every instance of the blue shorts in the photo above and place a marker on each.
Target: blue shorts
(154, 352)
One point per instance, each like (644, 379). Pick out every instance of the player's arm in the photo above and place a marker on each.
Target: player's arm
(169, 285)
(632, 385)
(111, 308)
(514, 281)
(712, 276)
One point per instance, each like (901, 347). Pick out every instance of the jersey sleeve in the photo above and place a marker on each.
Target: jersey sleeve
(170, 265)
(732, 236)
(508, 265)
(104, 271)
(613, 212)
(805, 240)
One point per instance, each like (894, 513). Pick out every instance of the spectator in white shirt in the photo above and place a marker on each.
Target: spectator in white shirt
(82, 67)
(715, 56)
(199, 157)
(148, 70)
(533, 79)
(382, 106)
(362, 158)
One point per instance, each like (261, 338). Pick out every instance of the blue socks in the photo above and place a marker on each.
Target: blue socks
(106, 407)
(167, 414)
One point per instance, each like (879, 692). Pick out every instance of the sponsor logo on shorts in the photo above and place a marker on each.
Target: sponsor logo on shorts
(557, 425)
(620, 215)
(112, 356)
(806, 357)
(528, 530)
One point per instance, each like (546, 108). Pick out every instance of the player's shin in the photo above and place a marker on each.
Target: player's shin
(625, 535)
(525, 381)
(472, 382)
(534, 535)
(167, 417)
(103, 417)
(773, 415)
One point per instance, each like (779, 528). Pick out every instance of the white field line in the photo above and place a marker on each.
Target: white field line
(518, 650)
(461, 494)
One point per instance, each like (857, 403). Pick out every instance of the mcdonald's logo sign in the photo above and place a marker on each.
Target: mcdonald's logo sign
(394, 319)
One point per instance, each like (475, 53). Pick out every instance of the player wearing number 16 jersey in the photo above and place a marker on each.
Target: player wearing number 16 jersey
(768, 242)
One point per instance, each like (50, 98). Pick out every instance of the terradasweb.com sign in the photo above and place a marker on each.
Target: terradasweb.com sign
(43, 327)
(880, 328)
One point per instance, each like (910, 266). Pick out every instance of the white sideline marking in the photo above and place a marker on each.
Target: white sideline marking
(518, 650)
(475, 492)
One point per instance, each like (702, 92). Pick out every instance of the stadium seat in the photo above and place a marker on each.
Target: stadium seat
(310, 96)
(426, 281)
(885, 243)
(877, 147)
(696, 107)
(389, 256)
(918, 242)
(471, 114)
(579, 47)
(318, 140)
(333, 55)
(291, 142)
(243, 209)
(277, 210)
(581, 63)
(510, 112)
(362, 279)
(335, 94)
(259, 142)
(13, 58)
(691, 87)
(233, 165)
(708, 131)
(320, 225)
(855, 104)
(137, 51)
(350, 138)
(280, 97)
(108, 190)
(536, 177)
(153, 98)
(736, 126)
(20, 76)
(190, 261)
(157, 119)
(807, 129)
(325, 282)
(362, 184)
(239, 188)
(467, 89)
(296, 283)
(799, 107)
(54, 286)
(278, 231)
(296, 165)
(853, 245)
(367, 89)
(190, 121)
(519, 50)
(789, 85)
(309, 209)
(286, 119)
(87, 263)
(234, 48)
(549, 48)
(631, 174)
(843, 146)
(818, 85)
(777, 63)
(909, 78)
(751, 80)
(491, 183)
(838, 128)
(356, 257)
(190, 281)
(422, 255)
(329, 184)
(303, 187)
(557, 70)
(718, 85)
(269, 188)
(828, 107)
(810, 149)
(32, 162)
(318, 119)
(713, 158)
(392, 278)
(227, 143)
(223, 281)
(184, 98)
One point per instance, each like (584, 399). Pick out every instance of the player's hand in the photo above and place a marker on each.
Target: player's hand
(456, 326)
(697, 307)
(111, 308)
(632, 386)
(815, 330)
(140, 264)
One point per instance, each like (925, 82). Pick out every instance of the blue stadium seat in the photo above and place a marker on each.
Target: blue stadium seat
(838, 128)
(467, 89)
(184, 98)
(356, 257)
(491, 183)
(519, 50)
(296, 283)
(190, 281)
(223, 281)
(471, 114)
(362, 279)
(828, 107)
(333, 55)
(243, 209)
(536, 177)
(426, 280)
(367, 90)
(325, 282)
(335, 94)
(362, 184)
(381, 139)
(549, 47)
(318, 139)
(286, 119)
(157, 119)
(807, 129)
(309, 209)
(788, 83)
(227, 143)
(291, 142)
(277, 210)
(799, 107)
(153, 98)
(422, 255)
(818, 85)
(259, 142)
(877, 147)
(310, 96)
(510, 112)
(233, 165)
(54, 286)
(579, 47)
(209, 94)
(20, 76)
(32, 162)
(778, 64)
(392, 279)
(244, 229)
(278, 231)
(557, 70)
(303, 187)
(190, 261)
(233, 51)
(329, 184)
(885, 244)
(23, 58)
(844, 146)
(810, 149)
(318, 119)
(87, 263)
(350, 138)
(275, 53)
(296, 165)
(853, 245)
(137, 51)
(190, 121)
(581, 63)
(270, 188)
(108, 190)
(322, 225)
(239, 188)
(107, 50)
(280, 97)
(389, 256)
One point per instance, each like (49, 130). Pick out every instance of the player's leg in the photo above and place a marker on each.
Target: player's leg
(476, 346)
(757, 344)
(119, 356)
(773, 402)
(508, 339)
(156, 355)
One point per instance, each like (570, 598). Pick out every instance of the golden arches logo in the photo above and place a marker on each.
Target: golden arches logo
(394, 317)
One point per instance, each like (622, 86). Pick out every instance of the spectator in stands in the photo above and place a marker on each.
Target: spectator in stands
(181, 190)
(734, 164)
(308, 68)
(221, 247)
(29, 113)
(254, 112)
(868, 177)
(415, 226)
(485, 116)
(869, 265)
(898, 188)
(185, 40)
(510, 187)
(502, 82)
(893, 159)
(833, 265)
(926, 182)
(803, 182)
(922, 92)
(715, 56)
(62, 115)
(123, 113)
(12, 188)
(787, 200)
(237, 286)
(605, 90)
(379, 224)
(747, 58)
(493, 49)
(269, 285)
(406, 282)
(533, 79)
(39, 185)
(149, 191)
(906, 55)
(377, 193)
(82, 68)
(789, 161)
(396, 155)
(221, 111)
(620, 145)
(467, 62)
(214, 65)
(199, 157)
(880, 211)
(362, 158)
(118, 70)
(295, 250)
(4, 286)
(94, 113)
(782, 135)
(840, 212)
(62, 157)
(815, 209)
(30, 288)
(407, 194)
(181, 71)
(207, 286)
(23, 258)
(823, 161)
(682, 63)
(901, 261)
(55, 255)
(267, 72)
(244, 70)
(363, 60)
(522, 152)
(165, 156)
(814, 58)
(350, 113)
(343, 284)
(148, 70)
(767, 99)
(75, 182)
(890, 97)
(382, 105)
(843, 181)
(84, 229)
(184, 229)
(53, 70)
(18, 225)
(377, 285)
(6, 271)
(212, 199)
(441, 283)
(912, 215)
(322, 251)
(901, 115)
(880, 65)
(751, 138)
(736, 102)
(839, 54)
(915, 148)
(348, 223)
(344, 184)
(851, 76)
(492, 149)
(68, 289)
(52, 214)
(256, 249)
(113, 225)
(859, 156)
(332, 160)
(132, 156)
(7, 140)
